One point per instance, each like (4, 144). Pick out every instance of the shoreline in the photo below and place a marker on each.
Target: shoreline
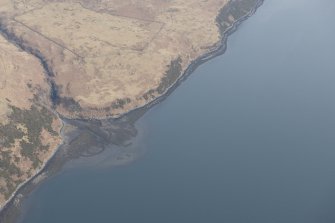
(38, 173)
(219, 48)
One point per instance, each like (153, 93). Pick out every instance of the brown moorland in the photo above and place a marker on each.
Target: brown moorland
(29, 132)
(108, 57)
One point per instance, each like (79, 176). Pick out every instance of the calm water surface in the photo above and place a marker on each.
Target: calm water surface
(249, 137)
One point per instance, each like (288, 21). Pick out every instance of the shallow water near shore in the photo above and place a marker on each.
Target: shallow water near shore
(248, 137)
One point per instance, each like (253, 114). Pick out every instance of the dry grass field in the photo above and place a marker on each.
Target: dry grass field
(108, 57)
(89, 34)
(28, 131)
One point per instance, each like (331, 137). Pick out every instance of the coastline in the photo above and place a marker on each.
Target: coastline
(218, 49)
(38, 173)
